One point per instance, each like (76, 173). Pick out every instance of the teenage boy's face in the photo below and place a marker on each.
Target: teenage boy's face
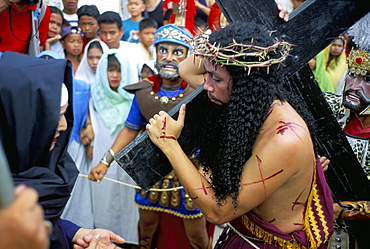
(89, 26)
(111, 34)
(70, 4)
(136, 7)
(147, 36)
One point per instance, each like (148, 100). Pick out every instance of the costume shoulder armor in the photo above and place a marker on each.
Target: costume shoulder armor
(137, 86)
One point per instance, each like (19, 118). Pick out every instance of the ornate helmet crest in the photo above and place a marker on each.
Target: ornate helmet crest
(174, 34)
(359, 58)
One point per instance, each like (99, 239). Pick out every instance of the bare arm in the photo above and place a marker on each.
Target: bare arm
(202, 7)
(192, 69)
(51, 41)
(123, 139)
(84, 238)
(264, 173)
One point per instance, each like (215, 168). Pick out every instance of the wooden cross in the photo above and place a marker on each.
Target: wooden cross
(311, 27)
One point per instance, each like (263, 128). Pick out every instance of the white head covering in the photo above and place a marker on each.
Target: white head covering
(84, 71)
(64, 98)
(113, 107)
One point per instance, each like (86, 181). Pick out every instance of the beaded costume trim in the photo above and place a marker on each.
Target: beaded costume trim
(269, 238)
(311, 228)
(156, 82)
(164, 210)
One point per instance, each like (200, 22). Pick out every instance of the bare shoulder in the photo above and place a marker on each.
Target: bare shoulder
(285, 135)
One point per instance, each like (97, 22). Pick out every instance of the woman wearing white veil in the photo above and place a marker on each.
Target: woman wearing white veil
(78, 208)
(112, 203)
(85, 70)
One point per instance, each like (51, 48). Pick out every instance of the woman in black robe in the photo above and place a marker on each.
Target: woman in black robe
(30, 97)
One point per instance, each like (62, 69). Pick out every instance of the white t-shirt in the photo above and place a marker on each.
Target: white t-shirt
(58, 47)
(135, 57)
(72, 19)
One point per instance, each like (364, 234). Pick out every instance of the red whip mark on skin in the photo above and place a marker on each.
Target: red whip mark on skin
(300, 224)
(268, 114)
(194, 198)
(259, 161)
(286, 126)
(204, 188)
(296, 202)
(270, 111)
(164, 125)
(271, 176)
(168, 137)
(164, 130)
(272, 108)
(272, 220)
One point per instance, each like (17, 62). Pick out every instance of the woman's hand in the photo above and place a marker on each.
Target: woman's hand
(87, 134)
(97, 238)
(164, 130)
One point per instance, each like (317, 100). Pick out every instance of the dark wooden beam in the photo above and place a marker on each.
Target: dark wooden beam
(311, 28)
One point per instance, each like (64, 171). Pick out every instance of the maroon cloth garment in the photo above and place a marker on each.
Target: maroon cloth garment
(230, 239)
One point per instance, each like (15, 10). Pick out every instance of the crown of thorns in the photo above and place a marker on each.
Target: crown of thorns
(235, 53)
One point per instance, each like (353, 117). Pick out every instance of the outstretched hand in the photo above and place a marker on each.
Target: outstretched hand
(163, 129)
(99, 238)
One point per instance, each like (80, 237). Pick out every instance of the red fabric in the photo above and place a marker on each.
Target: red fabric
(189, 15)
(214, 18)
(355, 128)
(156, 80)
(84, 42)
(15, 37)
(172, 233)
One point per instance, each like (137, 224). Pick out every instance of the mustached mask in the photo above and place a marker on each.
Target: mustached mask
(359, 59)
(173, 34)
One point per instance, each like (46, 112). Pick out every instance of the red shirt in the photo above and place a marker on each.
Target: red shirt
(355, 128)
(84, 43)
(15, 37)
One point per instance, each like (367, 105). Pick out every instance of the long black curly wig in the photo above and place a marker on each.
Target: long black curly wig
(228, 133)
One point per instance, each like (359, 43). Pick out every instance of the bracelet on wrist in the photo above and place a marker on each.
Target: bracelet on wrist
(108, 157)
